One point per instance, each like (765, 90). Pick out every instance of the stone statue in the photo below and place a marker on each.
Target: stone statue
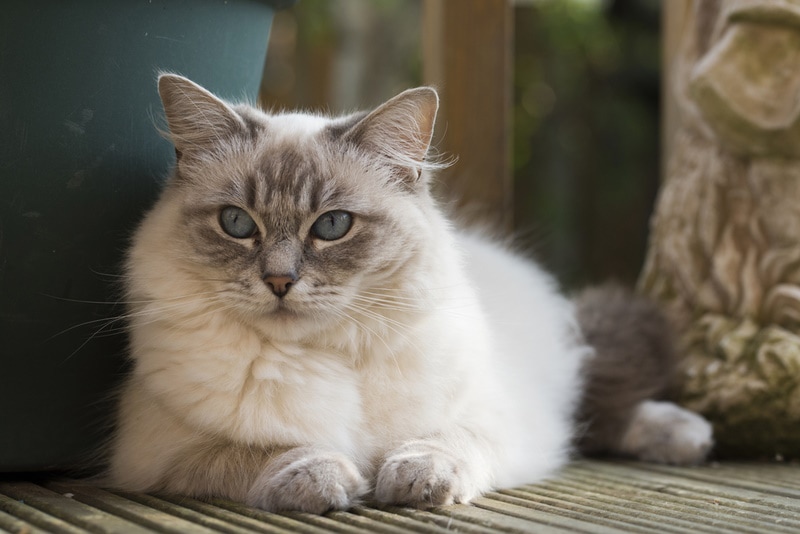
(724, 253)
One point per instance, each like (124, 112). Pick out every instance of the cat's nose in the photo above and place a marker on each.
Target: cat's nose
(280, 283)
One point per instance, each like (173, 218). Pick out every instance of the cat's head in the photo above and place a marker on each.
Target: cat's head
(287, 217)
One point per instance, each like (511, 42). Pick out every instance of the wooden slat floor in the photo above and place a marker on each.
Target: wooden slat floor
(588, 496)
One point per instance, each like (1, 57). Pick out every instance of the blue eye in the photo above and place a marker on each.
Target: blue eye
(332, 225)
(237, 223)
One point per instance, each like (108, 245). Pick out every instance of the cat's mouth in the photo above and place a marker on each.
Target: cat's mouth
(256, 308)
(283, 309)
(295, 313)
(280, 309)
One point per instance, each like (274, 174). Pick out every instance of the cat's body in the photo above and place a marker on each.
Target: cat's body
(307, 329)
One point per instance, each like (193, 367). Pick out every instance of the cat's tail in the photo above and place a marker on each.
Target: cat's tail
(622, 411)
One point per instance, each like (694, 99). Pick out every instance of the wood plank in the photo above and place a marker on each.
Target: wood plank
(622, 503)
(366, 522)
(471, 519)
(655, 505)
(184, 512)
(467, 54)
(13, 521)
(266, 524)
(722, 499)
(493, 519)
(133, 511)
(580, 516)
(327, 523)
(279, 520)
(783, 480)
(70, 511)
(415, 522)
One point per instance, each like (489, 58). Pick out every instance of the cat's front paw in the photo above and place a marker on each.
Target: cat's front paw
(308, 480)
(421, 477)
(663, 432)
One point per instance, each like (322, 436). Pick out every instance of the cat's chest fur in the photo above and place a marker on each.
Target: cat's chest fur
(227, 379)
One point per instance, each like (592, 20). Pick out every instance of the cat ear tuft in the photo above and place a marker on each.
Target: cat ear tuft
(197, 119)
(400, 130)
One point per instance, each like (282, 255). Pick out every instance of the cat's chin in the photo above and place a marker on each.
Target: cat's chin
(284, 320)
(278, 311)
(288, 326)
(286, 314)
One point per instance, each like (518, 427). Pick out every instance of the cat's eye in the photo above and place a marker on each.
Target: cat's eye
(237, 223)
(332, 225)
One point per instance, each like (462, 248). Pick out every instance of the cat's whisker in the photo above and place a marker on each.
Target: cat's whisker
(193, 303)
(103, 320)
(394, 290)
(177, 298)
(429, 297)
(374, 334)
(175, 327)
(395, 326)
(149, 310)
(388, 304)
(80, 301)
(152, 313)
(95, 334)
(126, 301)
(108, 275)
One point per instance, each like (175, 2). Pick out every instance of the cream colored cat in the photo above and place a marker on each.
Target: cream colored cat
(308, 329)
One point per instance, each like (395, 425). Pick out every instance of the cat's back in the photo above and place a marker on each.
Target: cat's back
(512, 288)
(533, 326)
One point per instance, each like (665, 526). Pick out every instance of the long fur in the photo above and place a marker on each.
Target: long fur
(409, 362)
(635, 361)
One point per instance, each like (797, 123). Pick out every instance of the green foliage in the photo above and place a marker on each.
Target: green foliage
(585, 114)
(586, 133)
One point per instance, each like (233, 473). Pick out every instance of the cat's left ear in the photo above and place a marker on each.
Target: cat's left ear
(400, 131)
(197, 119)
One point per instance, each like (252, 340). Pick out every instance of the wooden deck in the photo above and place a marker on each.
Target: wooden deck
(588, 496)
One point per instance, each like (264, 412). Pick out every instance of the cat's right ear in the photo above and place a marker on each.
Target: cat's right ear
(400, 131)
(197, 119)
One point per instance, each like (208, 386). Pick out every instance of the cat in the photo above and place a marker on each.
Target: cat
(308, 330)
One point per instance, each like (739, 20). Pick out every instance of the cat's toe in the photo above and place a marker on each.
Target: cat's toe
(663, 432)
(421, 479)
(316, 482)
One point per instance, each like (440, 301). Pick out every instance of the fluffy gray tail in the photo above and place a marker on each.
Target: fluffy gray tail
(633, 367)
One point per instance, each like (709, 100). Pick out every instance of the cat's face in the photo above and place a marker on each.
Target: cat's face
(287, 217)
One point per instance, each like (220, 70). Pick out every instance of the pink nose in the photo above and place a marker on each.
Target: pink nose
(279, 284)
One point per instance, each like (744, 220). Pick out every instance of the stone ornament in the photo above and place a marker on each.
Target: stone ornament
(725, 243)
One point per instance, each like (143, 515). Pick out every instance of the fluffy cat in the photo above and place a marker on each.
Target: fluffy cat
(308, 329)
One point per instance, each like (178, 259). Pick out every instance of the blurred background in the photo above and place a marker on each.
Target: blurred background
(586, 102)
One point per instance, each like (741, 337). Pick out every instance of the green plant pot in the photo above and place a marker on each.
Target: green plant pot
(80, 160)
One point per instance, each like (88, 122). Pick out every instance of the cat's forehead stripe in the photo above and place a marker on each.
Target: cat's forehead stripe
(297, 175)
(286, 171)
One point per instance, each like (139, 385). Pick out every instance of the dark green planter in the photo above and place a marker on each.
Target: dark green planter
(80, 160)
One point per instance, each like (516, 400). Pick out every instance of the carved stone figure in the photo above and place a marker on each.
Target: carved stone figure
(725, 244)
